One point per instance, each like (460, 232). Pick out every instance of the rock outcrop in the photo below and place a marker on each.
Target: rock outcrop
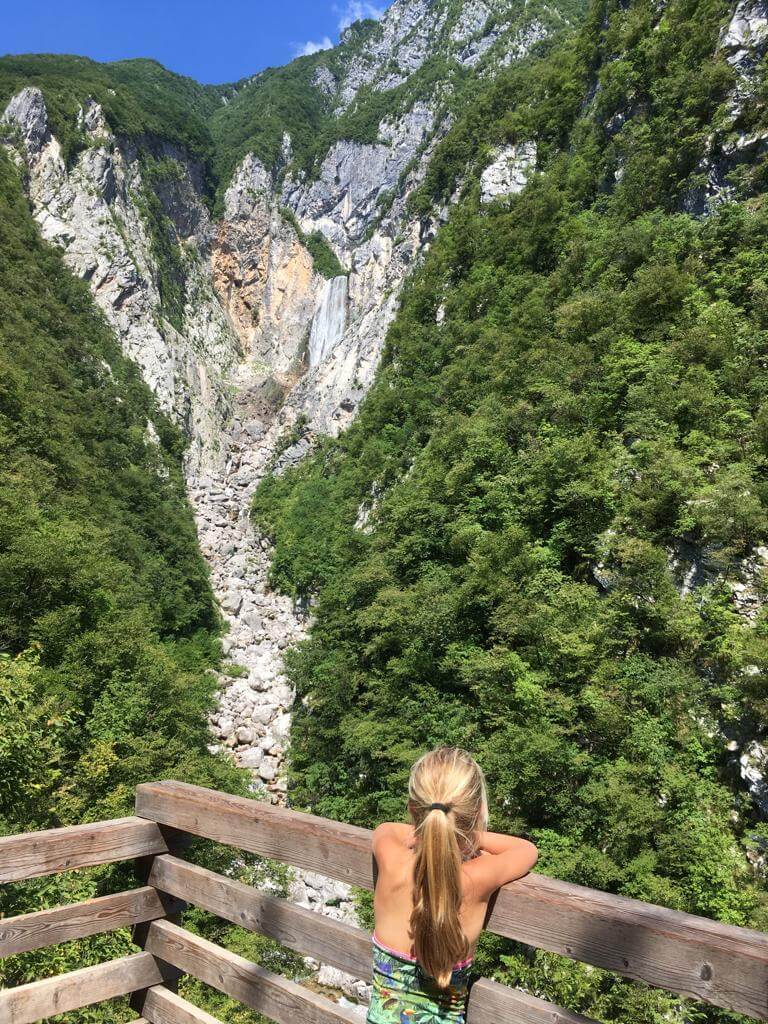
(262, 273)
(745, 38)
(93, 211)
(743, 43)
(509, 171)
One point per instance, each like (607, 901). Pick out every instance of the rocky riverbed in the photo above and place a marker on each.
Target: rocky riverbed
(252, 721)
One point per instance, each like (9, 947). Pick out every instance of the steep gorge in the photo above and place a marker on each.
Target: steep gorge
(257, 310)
(245, 342)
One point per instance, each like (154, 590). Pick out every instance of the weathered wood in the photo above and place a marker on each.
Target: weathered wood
(29, 1003)
(332, 942)
(721, 964)
(491, 1003)
(304, 840)
(61, 924)
(176, 842)
(281, 1000)
(62, 849)
(161, 1006)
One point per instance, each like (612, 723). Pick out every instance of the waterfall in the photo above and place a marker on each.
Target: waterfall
(330, 320)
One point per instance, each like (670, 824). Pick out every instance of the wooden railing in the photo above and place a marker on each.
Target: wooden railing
(720, 964)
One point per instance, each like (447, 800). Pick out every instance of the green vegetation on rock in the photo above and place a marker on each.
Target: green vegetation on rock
(325, 260)
(167, 256)
(139, 97)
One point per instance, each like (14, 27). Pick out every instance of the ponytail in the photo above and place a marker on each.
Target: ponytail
(438, 939)
(448, 806)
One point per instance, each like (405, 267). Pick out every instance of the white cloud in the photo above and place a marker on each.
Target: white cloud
(348, 12)
(305, 49)
(355, 10)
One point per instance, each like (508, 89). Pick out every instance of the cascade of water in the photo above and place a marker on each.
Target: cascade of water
(330, 320)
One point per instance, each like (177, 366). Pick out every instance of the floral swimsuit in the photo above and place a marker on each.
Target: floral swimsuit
(404, 994)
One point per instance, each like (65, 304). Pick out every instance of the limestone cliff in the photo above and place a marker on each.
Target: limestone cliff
(95, 210)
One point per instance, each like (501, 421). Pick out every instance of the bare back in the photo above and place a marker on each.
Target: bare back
(501, 859)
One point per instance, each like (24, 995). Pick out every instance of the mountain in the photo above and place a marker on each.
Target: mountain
(248, 245)
(463, 326)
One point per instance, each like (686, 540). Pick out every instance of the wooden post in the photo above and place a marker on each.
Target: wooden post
(176, 842)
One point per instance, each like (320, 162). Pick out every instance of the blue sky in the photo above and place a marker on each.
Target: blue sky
(211, 40)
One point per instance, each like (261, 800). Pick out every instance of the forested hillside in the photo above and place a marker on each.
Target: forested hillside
(139, 97)
(543, 537)
(538, 538)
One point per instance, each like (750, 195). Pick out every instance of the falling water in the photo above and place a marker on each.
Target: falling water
(330, 320)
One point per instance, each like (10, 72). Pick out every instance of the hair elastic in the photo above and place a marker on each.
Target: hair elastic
(445, 808)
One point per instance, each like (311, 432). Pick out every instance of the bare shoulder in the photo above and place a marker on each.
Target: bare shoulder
(392, 839)
(393, 830)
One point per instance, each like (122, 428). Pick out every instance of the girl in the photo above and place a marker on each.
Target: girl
(435, 877)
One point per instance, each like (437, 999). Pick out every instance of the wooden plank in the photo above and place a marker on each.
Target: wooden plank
(720, 964)
(304, 840)
(305, 931)
(29, 1003)
(693, 956)
(278, 998)
(161, 1006)
(491, 1003)
(33, 854)
(92, 917)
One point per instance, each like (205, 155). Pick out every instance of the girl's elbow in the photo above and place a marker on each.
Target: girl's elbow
(532, 854)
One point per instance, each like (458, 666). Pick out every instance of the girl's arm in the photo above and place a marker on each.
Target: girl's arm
(506, 858)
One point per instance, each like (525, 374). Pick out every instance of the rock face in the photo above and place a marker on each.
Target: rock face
(27, 112)
(353, 177)
(509, 172)
(93, 212)
(753, 768)
(743, 43)
(745, 37)
(262, 273)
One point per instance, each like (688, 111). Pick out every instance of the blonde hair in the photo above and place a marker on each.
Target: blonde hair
(445, 835)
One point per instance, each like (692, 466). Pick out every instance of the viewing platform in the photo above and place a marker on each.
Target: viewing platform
(719, 964)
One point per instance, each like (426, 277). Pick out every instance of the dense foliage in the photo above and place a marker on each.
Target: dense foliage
(570, 419)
